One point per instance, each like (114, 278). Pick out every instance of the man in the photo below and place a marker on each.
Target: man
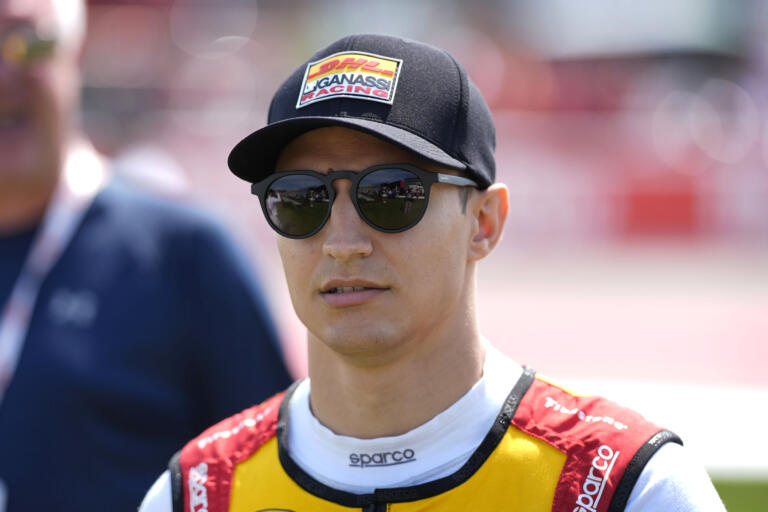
(407, 407)
(127, 324)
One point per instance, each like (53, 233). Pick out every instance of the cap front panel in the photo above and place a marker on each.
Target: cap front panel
(359, 75)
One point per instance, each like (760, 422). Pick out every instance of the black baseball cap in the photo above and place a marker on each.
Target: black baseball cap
(408, 93)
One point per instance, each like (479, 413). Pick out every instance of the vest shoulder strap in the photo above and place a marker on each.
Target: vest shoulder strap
(201, 472)
(606, 445)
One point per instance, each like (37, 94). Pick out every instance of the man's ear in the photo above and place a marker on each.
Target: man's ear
(489, 208)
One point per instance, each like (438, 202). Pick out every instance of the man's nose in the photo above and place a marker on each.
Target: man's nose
(346, 234)
(10, 74)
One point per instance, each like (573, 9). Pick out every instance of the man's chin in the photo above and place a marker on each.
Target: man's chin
(22, 160)
(18, 177)
(365, 344)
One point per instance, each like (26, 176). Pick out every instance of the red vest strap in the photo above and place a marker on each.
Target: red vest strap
(206, 464)
(600, 439)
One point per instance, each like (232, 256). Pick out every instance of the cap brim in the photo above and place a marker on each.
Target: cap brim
(254, 157)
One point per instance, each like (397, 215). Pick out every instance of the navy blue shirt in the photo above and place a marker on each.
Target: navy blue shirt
(149, 329)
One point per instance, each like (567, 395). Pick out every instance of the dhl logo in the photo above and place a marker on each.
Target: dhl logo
(353, 62)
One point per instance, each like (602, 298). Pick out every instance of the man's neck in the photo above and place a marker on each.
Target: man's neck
(23, 207)
(23, 202)
(370, 401)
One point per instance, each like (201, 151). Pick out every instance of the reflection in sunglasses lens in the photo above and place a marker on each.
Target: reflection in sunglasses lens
(391, 199)
(297, 204)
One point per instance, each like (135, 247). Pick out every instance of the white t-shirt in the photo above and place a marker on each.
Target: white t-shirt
(670, 480)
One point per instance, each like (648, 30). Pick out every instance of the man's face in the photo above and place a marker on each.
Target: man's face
(414, 282)
(38, 96)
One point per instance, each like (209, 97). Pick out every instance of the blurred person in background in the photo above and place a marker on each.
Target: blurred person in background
(407, 406)
(127, 323)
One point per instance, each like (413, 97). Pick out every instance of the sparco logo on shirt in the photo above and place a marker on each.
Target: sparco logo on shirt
(599, 471)
(366, 460)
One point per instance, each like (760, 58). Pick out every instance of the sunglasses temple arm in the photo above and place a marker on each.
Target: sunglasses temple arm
(456, 180)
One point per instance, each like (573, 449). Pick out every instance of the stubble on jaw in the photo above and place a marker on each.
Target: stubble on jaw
(373, 344)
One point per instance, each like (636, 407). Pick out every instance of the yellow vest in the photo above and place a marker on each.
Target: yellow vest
(549, 450)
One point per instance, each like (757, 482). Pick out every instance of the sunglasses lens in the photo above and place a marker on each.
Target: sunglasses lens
(392, 199)
(24, 47)
(297, 204)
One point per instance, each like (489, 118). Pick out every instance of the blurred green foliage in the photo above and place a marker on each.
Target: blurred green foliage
(743, 495)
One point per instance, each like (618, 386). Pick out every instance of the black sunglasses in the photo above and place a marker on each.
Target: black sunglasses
(389, 197)
(23, 46)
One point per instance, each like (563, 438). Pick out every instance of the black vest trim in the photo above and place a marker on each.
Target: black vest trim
(177, 483)
(636, 466)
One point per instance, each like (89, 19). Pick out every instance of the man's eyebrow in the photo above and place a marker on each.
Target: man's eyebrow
(27, 26)
(10, 24)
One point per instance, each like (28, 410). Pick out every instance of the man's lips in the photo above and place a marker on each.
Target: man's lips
(348, 293)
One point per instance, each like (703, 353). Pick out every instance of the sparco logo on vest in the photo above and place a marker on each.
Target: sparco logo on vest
(599, 471)
(366, 460)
